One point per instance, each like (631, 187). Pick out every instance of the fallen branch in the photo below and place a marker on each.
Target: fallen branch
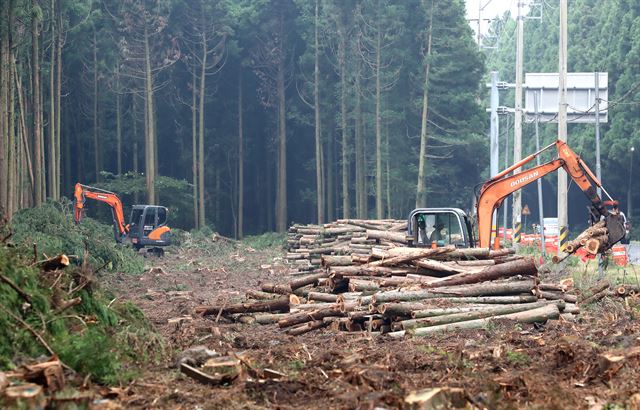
(24, 295)
(33, 332)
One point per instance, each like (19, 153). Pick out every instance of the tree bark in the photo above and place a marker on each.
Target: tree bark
(4, 117)
(281, 211)
(361, 187)
(52, 109)
(538, 315)
(330, 177)
(469, 291)
(342, 62)
(150, 165)
(13, 188)
(390, 236)
(421, 191)
(96, 131)
(504, 270)
(201, 187)
(308, 327)
(56, 262)
(276, 305)
(58, 156)
(320, 205)
(118, 122)
(194, 147)
(240, 224)
(466, 316)
(379, 209)
(36, 103)
(304, 317)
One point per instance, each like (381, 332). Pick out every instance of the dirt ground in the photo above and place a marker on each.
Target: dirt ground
(556, 366)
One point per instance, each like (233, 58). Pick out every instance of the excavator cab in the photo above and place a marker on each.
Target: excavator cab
(148, 226)
(428, 227)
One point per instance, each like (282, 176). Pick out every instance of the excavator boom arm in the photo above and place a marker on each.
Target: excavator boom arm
(496, 189)
(82, 192)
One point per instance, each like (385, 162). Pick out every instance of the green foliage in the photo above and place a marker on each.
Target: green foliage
(175, 194)
(602, 36)
(93, 338)
(266, 240)
(518, 357)
(52, 228)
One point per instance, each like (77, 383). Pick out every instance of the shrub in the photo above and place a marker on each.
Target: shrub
(52, 228)
(266, 240)
(93, 338)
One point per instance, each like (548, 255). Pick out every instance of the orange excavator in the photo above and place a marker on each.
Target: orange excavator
(147, 225)
(495, 190)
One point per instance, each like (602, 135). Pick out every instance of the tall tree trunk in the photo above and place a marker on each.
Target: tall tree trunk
(96, 132)
(318, 131)
(22, 126)
(150, 166)
(13, 191)
(218, 196)
(360, 188)
(118, 121)
(194, 147)
(240, 224)
(342, 57)
(67, 150)
(330, 176)
(201, 208)
(12, 172)
(35, 75)
(281, 211)
(4, 117)
(387, 173)
(379, 206)
(43, 176)
(58, 144)
(51, 166)
(135, 164)
(421, 190)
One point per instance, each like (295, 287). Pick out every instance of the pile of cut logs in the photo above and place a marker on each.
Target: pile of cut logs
(307, 244)
(406, 291)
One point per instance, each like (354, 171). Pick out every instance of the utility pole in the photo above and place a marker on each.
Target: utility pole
(495, 143)
(597, 104)
(563, 219)
(479, 24)
(517, 135)
(506, 165)
(539, 181)
(495, 125)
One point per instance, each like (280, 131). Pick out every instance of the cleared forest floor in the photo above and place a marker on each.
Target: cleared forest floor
(558, 365)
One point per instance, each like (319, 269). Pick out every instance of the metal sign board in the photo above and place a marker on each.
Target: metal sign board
(581, 97)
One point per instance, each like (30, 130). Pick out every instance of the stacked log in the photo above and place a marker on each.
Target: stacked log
(594, 238)
(308, 245)
(407, 291)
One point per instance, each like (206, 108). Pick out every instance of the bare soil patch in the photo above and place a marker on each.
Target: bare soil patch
(558, 365)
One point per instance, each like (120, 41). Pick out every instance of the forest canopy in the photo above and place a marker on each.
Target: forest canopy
(256, 113)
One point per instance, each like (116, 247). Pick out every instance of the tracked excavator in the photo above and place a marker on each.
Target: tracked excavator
(425, 225)
(147, 227)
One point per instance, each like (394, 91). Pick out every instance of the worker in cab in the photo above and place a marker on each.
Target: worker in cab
(437, 235)
(422, 230)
